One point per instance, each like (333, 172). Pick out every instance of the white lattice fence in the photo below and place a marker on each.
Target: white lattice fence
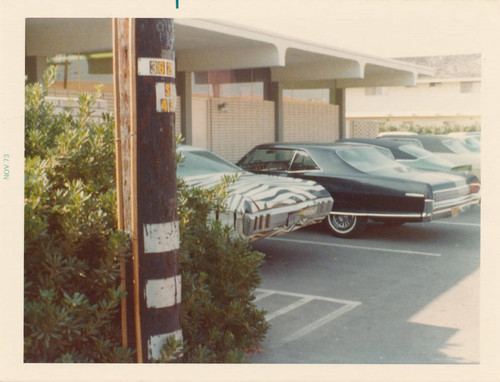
(363, 129)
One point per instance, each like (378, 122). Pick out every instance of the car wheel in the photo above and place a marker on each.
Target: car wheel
(345, 225)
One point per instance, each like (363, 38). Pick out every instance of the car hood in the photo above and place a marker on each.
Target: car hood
(253, 192)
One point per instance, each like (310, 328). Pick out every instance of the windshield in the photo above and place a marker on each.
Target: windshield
(366, 159)
(456, 146)
(416, 151)
(473, 144)
(203, 162)
(420, 153)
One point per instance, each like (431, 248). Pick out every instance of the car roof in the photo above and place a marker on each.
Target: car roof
(190, 148)
(393, 146)
(404, 133)
(302, 145)
(377, 142)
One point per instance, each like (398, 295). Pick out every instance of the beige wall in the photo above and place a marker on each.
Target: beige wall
(69, 102)
(310, 122)
(233, 129)
(239, 126)
(423, 104)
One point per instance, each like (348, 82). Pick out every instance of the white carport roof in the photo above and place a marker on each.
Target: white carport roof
(203, 45)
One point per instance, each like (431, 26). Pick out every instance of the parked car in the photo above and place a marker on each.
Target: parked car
(471, 140)
(413, 155)
(405, 133)
(366, 184)
(445, 146)
(258, 205)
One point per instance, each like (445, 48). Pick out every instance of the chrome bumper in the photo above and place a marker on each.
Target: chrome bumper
(449, 208)
(283, 219)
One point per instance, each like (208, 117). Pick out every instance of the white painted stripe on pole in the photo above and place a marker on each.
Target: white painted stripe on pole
(155, 343)
(288, 308)
(357, 247)
(162, 237)
(163, 293)
(318, 323)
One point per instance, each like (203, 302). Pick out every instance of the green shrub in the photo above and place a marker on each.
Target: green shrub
(220, 322)
(430, 129)
(73, 251)
(72, 247)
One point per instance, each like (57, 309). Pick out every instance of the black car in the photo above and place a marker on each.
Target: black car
(366, 184)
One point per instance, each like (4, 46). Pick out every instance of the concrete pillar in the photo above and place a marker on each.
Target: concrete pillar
(184, 87)
(277, 97)
(35, 66)
(337, 97)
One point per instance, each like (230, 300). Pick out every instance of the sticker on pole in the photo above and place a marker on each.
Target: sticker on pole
(166, 97)
(159, 67)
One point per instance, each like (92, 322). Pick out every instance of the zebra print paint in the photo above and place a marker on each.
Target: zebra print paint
(253, 193)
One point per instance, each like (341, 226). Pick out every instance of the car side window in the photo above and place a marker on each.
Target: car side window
(303, 162)
(269, 160)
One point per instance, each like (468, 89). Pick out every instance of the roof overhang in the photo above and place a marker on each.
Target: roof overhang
(203, 45)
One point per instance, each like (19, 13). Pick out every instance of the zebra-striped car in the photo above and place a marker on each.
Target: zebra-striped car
(258, 205)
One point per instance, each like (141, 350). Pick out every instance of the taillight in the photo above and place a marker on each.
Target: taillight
(475, 187)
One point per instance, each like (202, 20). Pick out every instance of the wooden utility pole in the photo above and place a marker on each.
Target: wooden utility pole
(145, 100)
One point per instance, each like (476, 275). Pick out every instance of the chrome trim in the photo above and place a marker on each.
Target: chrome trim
(319, 169)
(450, 189)
(275, 220)
(380, 215)
(414, 195)
(447, 212)
(303, 171)
(456, 202)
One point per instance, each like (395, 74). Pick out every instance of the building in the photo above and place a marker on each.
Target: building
(450, 97)
(237, 87)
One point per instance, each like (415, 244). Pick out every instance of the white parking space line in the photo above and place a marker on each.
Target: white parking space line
(304, 299)
(288, 308)
(264, 295)
(300, 295)
(357, 247)
(457, 223)
(322, 321)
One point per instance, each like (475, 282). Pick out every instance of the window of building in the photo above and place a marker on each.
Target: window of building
(240, 83)
(376, 91)
(316, 95)
(76, 69)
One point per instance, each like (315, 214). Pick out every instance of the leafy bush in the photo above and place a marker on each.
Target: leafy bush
(73, 251)
(219, 321)
(72, 247)
(433, 129)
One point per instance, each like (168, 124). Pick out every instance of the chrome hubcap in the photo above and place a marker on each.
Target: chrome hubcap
(342, 222)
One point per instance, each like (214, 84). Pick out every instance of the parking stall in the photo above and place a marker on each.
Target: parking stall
(405, 294)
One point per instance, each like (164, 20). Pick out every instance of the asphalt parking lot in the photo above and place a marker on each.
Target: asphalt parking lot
(395, 295)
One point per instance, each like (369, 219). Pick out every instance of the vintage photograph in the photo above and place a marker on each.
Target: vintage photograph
(298, 195)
